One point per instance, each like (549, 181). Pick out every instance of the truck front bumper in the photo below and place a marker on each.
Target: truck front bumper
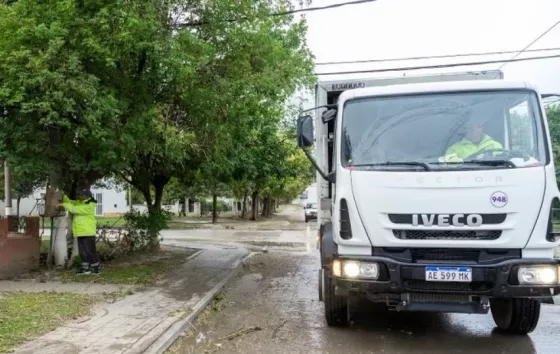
(499, 280)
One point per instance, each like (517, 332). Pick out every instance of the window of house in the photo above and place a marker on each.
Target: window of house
(99, 208)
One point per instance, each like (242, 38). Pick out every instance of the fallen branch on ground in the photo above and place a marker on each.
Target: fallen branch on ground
(278, 328)
(240, 333)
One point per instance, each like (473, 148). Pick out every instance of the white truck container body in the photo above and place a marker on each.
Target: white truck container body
(435, 194)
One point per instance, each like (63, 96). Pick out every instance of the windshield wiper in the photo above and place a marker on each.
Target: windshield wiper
(492, 162)
(480, 162)
(395, 163)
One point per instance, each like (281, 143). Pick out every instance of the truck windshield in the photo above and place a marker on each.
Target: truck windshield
(463, 130)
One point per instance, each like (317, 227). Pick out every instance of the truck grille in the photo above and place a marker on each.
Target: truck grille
(422, 297)
(447, 255)
(444, 254)
(484, 235)
(421, 285)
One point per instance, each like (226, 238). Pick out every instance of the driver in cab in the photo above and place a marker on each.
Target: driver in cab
(474, 141)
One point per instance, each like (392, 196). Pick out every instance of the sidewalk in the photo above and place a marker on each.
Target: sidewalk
(148, 320)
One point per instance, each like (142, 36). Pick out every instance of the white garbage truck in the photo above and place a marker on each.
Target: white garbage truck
(435, 193)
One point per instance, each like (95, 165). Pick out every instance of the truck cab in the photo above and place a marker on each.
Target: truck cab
(439, 198)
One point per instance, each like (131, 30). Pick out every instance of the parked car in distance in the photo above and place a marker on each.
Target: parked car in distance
(310, 211)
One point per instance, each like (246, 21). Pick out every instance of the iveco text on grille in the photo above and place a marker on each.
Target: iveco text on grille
(447, 220)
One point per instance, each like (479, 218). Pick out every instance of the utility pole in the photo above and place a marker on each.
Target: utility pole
(130, 197)
(8, 187)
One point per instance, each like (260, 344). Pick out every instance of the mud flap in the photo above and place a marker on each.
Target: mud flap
(328, 247)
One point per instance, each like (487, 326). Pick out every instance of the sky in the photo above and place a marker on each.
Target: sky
(405, 28)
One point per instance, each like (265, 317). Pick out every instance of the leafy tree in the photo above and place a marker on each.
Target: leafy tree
(95, 88)
(55, 111)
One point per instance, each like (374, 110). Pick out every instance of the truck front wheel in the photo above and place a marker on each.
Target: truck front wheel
(516, 316)
(336, 307)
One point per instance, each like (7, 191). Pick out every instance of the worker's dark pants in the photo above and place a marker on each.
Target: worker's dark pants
(88, 251)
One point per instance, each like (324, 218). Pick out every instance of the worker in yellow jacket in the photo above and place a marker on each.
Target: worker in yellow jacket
(474, 141)
(84, 228)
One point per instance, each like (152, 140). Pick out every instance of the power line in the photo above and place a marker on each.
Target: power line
(533, 42)
(440, 66)
(286, 13)
(320, 8)
(383, 60)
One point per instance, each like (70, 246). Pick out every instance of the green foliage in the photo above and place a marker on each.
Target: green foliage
(104, 88)
(28, 315)
(553, 115)
(142, 229)
(221, 206)
(55, 108)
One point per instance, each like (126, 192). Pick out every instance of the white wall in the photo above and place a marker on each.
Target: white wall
(27, 206)
(112, 202)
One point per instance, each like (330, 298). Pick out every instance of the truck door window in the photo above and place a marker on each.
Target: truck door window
(522, 130)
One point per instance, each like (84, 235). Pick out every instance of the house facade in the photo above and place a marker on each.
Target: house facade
(114, 202)
(110, 202)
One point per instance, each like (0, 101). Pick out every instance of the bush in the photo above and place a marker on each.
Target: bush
(142, 229)
(141, 233)
(221, 206)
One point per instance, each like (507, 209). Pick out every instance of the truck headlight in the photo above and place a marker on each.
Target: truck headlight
(355, 269)
(538, 274)
(351, 269)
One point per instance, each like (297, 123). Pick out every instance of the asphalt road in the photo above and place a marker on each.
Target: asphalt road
(273, 307)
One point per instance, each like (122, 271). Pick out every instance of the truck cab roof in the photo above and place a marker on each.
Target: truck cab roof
(435, 87)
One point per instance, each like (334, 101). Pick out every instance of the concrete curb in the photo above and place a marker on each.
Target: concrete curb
(174, 331)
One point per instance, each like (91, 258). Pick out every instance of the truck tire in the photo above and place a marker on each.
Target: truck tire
(336, 307)
(516, 316)
(321, 297)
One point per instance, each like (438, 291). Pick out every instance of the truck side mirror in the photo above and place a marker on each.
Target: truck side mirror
(305, 131)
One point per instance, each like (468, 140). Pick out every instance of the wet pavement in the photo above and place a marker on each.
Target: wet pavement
(144, 318)
(300, 236)
(273, 307)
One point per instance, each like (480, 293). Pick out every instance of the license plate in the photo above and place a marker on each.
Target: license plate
(451, 274)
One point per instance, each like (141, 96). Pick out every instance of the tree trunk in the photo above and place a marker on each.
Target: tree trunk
(244, 209)
(264, 212)
(147, 197)
(269, 207)
(214, 208)
(59, 244)
(255, 205)
(158, 197)
(17, 205)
